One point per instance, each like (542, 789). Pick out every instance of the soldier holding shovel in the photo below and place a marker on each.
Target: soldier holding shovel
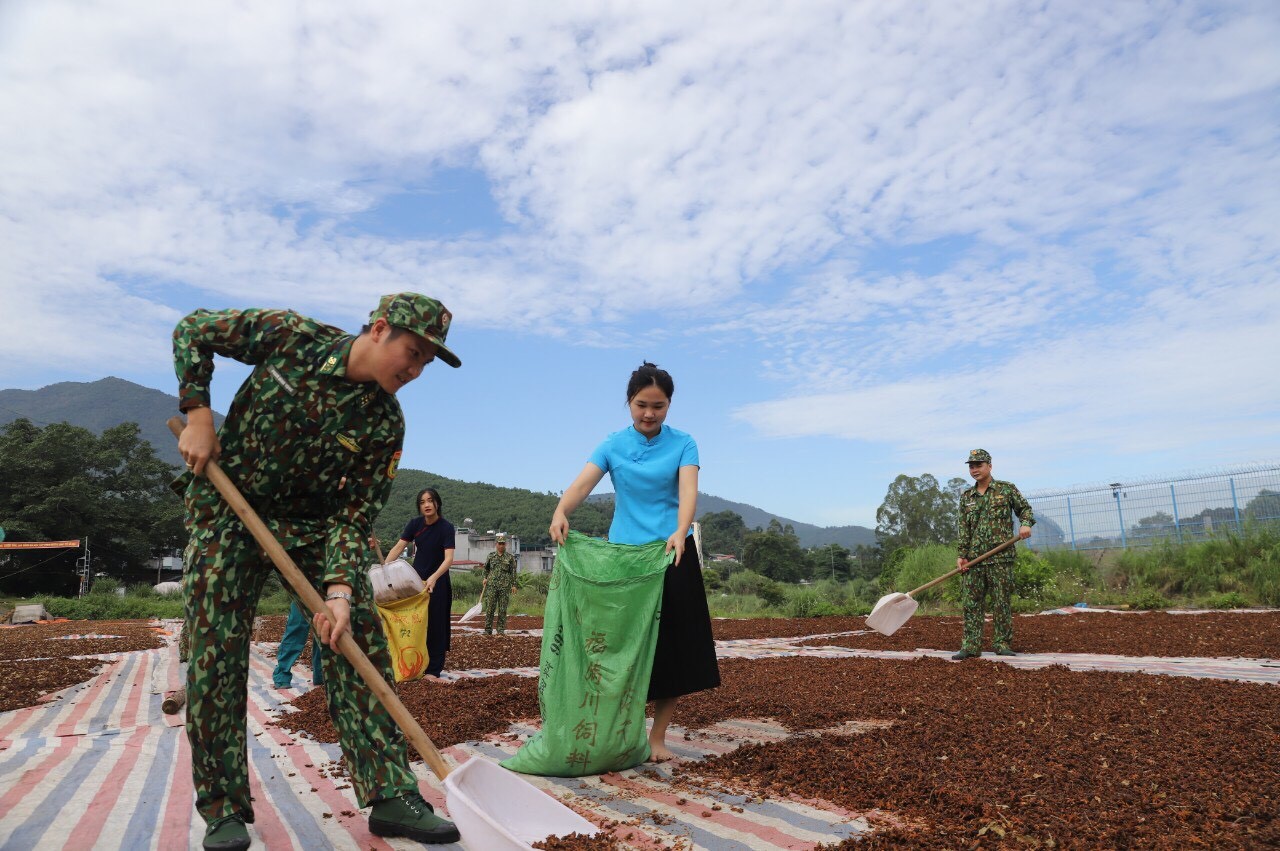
(319, 406)
(986, 511)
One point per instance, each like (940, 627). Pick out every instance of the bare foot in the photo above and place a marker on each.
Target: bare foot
(660, 753)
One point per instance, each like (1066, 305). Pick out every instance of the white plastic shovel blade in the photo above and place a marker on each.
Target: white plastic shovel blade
(472, 612)
(496, 810)
(891, 612)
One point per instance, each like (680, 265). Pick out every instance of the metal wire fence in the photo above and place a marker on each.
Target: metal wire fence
(1140, 513)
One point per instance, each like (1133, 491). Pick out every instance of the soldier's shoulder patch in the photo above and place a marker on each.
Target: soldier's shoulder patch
(393, 465)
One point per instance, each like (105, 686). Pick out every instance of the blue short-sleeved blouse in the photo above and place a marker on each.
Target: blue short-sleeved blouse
(646, 480)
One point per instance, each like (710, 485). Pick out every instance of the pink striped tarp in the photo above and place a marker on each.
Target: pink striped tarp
(102, 767)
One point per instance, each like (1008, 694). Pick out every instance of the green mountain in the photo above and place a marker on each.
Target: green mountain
(528, 513)
(99, 405)
(809, 534)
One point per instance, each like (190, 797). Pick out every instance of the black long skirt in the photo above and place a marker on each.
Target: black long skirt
(685, 658)
(439, 626)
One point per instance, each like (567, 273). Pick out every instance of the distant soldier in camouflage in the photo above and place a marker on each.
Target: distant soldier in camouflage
(499, 581)
(319, 406)
(986, 520)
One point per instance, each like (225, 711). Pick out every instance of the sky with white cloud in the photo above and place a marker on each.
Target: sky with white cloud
(864, 237)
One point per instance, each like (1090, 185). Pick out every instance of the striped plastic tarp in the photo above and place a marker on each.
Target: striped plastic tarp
(103, 767)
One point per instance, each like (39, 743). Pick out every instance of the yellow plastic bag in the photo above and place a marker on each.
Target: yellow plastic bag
(405, 625)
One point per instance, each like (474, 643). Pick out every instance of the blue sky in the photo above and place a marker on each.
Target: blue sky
(864, 237)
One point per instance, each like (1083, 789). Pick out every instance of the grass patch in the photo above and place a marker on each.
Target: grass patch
(919, 565)
(1227, 571)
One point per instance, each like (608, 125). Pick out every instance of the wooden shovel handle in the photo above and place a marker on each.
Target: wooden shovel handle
(944, 577)
(311, 598)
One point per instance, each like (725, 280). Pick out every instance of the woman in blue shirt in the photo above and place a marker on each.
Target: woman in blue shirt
(654, 469)
(433, 544)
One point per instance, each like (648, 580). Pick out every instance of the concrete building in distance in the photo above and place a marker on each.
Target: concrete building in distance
(472, 547)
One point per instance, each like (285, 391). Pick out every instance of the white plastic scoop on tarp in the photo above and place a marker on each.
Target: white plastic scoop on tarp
(473, 611)
(528, 815)
(893, 610)
(495, 809)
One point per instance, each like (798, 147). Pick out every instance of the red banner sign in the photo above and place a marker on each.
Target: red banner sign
(39, 545)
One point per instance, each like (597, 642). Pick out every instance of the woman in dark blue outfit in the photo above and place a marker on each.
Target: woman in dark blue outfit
(433, 543)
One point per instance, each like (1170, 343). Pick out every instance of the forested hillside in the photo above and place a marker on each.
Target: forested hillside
(512, 510)
(108, 402)
(809, 534)
(98, 406)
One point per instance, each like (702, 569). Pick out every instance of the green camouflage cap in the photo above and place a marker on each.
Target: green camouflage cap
(424, 316)
(979, 456)
(501, 539)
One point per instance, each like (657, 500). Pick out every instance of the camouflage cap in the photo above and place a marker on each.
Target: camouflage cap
(979, 456)
(424, 316)
(501, 539)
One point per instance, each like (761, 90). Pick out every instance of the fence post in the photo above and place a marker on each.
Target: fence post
(1071, 522)
(1124, 538)
(1235, 506)
(1176, 525)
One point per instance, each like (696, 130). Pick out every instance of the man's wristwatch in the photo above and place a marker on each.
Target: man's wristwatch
(341, 595)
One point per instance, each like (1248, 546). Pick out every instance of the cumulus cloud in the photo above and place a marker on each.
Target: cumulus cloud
(1103, 177)
(1182, 377)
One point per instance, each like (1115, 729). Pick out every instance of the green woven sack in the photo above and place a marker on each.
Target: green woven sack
(598, 636)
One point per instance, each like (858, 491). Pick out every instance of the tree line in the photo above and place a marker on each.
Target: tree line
(512, 510)
(61, 482)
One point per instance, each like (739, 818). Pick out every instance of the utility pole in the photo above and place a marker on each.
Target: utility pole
(83, 567)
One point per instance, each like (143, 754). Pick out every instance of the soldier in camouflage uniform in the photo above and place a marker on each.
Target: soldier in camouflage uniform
(499, 581)
(986, 511)
(319, 406)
